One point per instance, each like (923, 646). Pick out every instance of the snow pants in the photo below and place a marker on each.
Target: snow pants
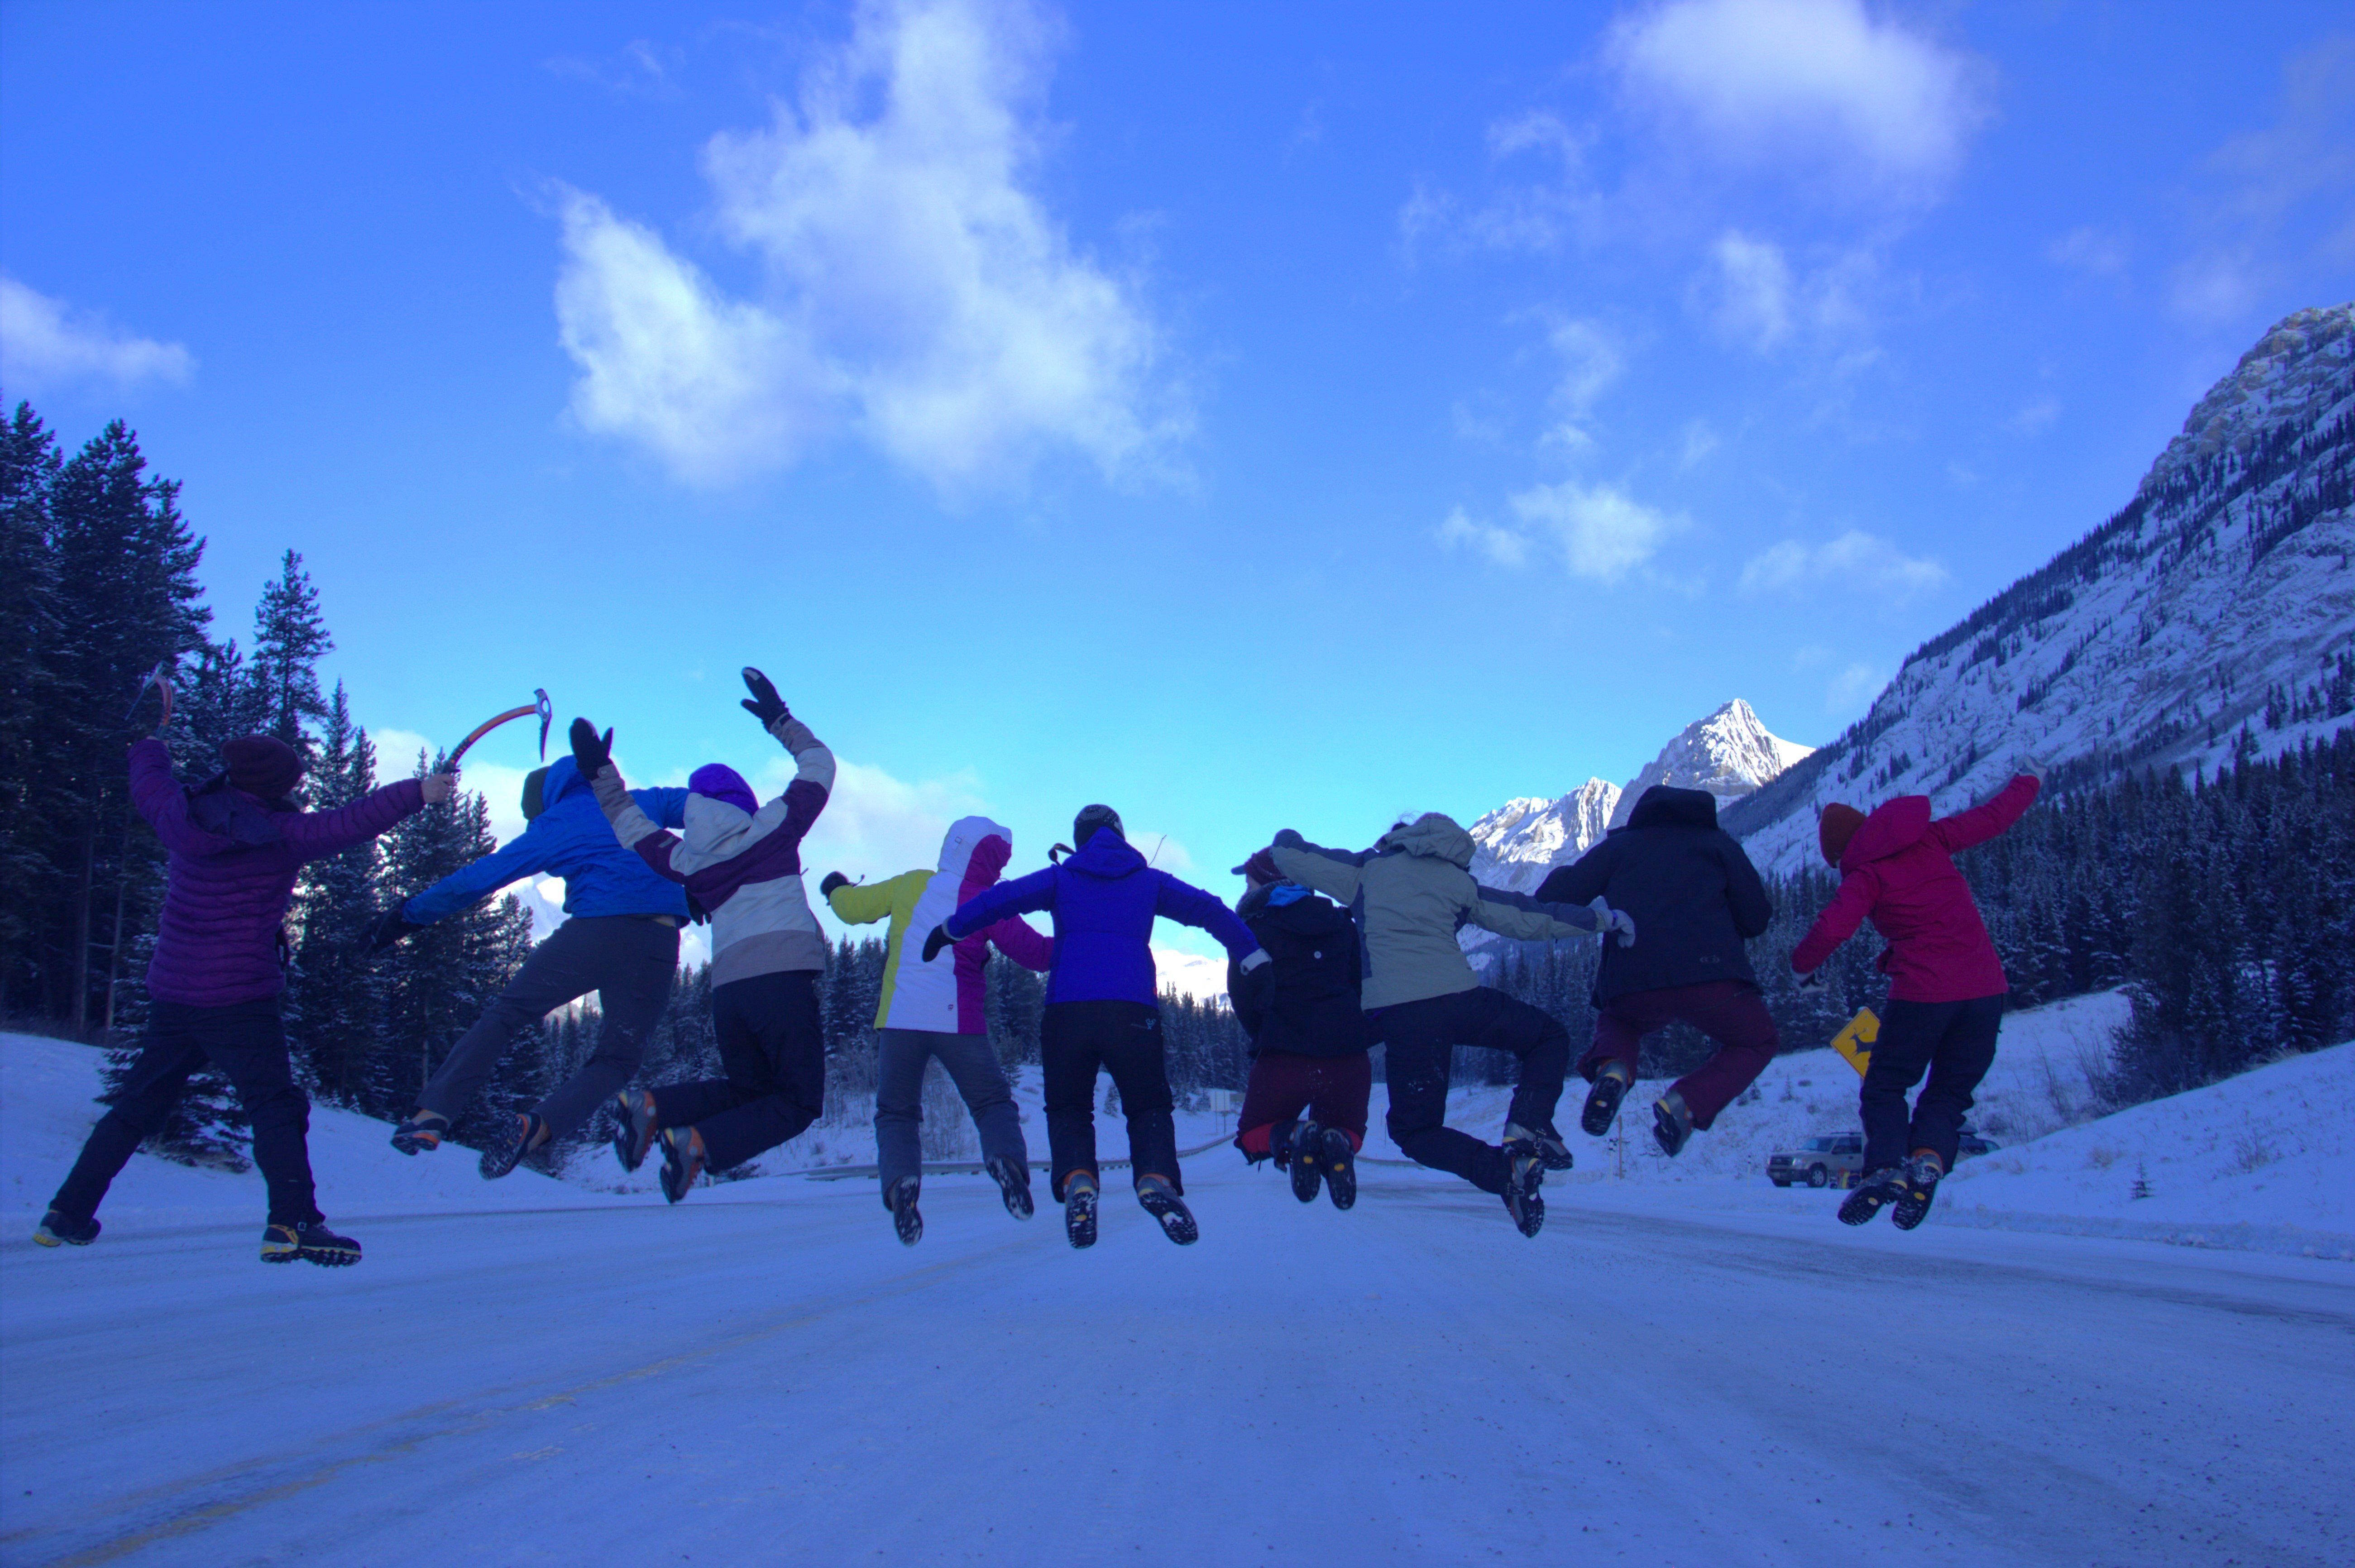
(627, 959)
(1728, 1011)
(1331, 1089)
(1422, 1036)
(774, 1052)
(1955, 1041)
(1076, 1038)
(246, 1040)
(901, 1056)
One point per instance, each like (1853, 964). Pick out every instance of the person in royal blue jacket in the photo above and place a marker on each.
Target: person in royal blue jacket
(1103, 1008)
(621, 940)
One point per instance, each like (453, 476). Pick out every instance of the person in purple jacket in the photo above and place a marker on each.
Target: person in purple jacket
(236, 844)
(1103, 1008)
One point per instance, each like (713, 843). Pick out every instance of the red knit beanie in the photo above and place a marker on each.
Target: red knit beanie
(1835, 828)
(262, 765)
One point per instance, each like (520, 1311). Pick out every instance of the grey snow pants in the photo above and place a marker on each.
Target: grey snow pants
(900, 1099)
(627, 959)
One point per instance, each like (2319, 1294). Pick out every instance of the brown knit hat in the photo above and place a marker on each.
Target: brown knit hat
(1835, 828)
(262, 765)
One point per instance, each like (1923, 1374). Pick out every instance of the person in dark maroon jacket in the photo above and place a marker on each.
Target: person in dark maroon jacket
(1946, 988)
(236, 844)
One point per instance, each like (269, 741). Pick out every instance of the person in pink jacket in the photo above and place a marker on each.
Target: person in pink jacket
(1946, 988)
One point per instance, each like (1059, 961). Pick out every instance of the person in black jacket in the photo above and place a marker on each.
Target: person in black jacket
(1309, 1039)
(1696, 899)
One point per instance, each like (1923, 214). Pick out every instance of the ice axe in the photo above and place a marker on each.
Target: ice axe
(160, 680)
(542, 707)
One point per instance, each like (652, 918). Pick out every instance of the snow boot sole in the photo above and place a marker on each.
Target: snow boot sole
(1014, 1186)
(1307, 1160)
(57, 1229)
(1079, 1213)
(682, 1162)
(1672, 1125)
(1602, 1102)
(1921, 1174)
(1872, 1194)
(634, 1127)
(905, 1218)
(509, 1145)
(420, 1135)
(1524, 1174)
(1162, 1202)
(313, 1243)
(1340, 1168)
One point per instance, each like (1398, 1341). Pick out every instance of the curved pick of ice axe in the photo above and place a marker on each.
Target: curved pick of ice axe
(159, 680)
(540, 707)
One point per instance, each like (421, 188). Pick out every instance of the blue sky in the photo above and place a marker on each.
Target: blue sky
(1247, 416)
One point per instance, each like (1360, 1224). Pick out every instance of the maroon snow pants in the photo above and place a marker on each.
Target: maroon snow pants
(1728, 1011)
(1331, 1089)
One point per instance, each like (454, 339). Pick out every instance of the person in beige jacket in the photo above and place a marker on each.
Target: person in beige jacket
(1409, 895)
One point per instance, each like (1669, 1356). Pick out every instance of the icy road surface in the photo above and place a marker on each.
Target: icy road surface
(771, 1377)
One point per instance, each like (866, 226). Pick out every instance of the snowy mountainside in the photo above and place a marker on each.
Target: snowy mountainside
(1730, 753)
(2151, 641)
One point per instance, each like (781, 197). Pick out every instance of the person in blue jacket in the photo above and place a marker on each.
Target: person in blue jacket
(620, 939)
(1103, 1008)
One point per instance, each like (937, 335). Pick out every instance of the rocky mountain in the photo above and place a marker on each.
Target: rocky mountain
(2189, 628)
(1730, 753)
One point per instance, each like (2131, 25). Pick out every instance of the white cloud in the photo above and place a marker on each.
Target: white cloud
(1855, 562)
(916, 291)
(1190, 973)
(1752, 290)
(1818, 86)
(1591, 361)
(46, 342)
(2089, 249)
(876, 826)
(2036, 417)
(1757, 298)
(1603, 532)
(1502, 546)
(1853, 689)
(1701, 440)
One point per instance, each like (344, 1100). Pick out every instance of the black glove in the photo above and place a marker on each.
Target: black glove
(832, 881)
(592, 752)
(389, 928)
(935, 939)
(764, 704)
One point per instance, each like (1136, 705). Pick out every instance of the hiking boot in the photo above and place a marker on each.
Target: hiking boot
(1161, 1200)
(1013, 1178)
(1873, 1192)
(1922, 1173)
(421, 1133)
(1524, 1174)
(1671, 1122)
(1553, 1152)
(633, 1126)
(1307, 1160)
(1611, 1086)
(1080, 1207)
(59, 1229)
(682, 1161)
(311, 1242)
(510, 1142)
(1340, 1168)
(1279, 1144)
(901, 1201)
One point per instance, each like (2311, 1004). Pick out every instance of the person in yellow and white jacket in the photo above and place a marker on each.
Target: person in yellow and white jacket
(938, 1008)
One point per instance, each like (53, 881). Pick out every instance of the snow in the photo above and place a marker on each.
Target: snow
(762, 1375)
(1728, 754)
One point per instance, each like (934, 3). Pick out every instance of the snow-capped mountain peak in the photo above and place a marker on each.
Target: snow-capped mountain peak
(1516, 845)
(1730, 753)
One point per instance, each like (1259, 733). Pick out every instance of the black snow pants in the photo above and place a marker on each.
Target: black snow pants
(1422, 1037)
(774, 1052)
(247, 1041)
(1075, 1038)
(1955, 1041)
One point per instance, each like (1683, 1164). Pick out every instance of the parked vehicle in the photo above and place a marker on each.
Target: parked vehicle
(1831, 1160)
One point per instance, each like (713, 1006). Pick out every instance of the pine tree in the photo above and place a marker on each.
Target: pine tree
(31, 627)
(290, 638)
(336, 1003)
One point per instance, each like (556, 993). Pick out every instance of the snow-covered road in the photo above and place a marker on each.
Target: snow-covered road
(772, 1379)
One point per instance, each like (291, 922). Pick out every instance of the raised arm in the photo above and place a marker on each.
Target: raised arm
(864, 904)
(158, 796)
(1525, 919)
(314, 834)
(1190, 905)
(1023, 895)
(1329, 871)
(1019, 942)
(1839, 922)
(593, 754)
(813, 776)
(521, 856)
(1981, 823)
(1583, 880)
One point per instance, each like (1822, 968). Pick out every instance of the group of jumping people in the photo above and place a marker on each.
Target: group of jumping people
(1331, 952)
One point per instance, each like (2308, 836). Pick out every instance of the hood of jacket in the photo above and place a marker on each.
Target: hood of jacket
(1434, 835)
(1665, 806)
(975, 851)
(1304, 912)
(233, 817)
(1106, 855)
(1893, 825)
(563, 779)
